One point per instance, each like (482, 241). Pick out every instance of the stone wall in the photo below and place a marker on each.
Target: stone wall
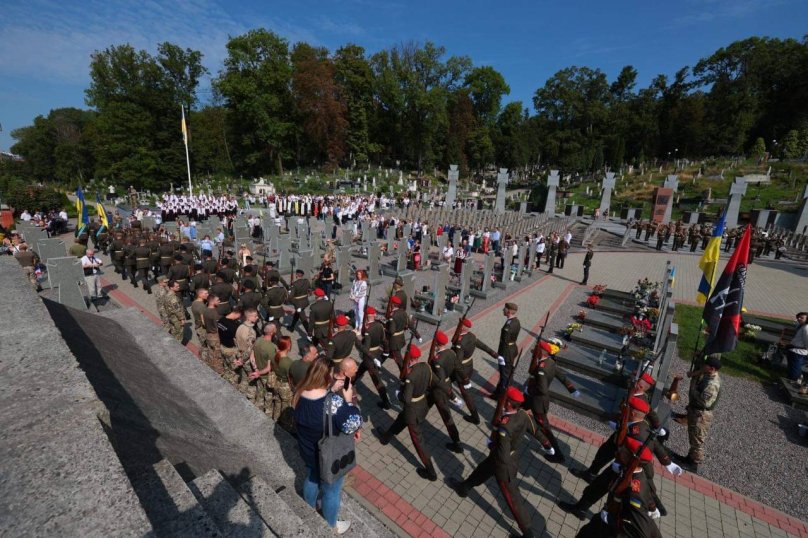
(59, 474)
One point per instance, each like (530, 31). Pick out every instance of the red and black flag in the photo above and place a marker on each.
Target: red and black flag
(722, 312)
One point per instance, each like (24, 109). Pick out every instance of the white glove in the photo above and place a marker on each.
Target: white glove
(377, 362)
(501, 360)
(457, 402)
(271, 318)
(612, 424)
(576, 394)
(299, 310)
(674, 469)
(661, 432)
(616, 467)
(549, 451)
(604, 516)
(398, 394)
(420, 340)
(655, 514)
(467, 386)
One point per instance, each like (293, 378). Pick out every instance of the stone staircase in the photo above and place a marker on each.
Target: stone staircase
(214, 505)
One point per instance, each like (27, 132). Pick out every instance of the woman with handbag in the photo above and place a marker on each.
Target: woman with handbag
(327, 427)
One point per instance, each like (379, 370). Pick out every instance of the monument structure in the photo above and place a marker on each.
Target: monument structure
(553, 180)
(451, 195)
(502, 182)
(606, 194)
(736, 192)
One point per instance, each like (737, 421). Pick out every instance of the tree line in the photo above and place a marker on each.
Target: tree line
(275, 106)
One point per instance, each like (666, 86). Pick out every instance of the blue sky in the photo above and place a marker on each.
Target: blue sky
(45, 45)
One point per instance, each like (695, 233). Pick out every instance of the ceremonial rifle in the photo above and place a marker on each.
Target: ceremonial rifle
(456, 335)
(620, 485)
(504, 396)
(434, 345)
(331, 322)
(389, 310)
(405, 367)
(365, 313)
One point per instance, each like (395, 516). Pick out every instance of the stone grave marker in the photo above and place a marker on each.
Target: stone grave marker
(284, 253)
(802, 217)
(50, 248)
(70, 294)
(502, 182)
(552, 184)
(606, 195)
(346, 237)
(33, 235)
(454, 175)
(671, 182)
(61, 270)
(401, 260)
(374, 253)
(736, 192)
(305, 262)
(344, 269)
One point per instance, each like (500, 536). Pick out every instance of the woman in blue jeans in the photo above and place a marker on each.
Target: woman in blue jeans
(309, 400)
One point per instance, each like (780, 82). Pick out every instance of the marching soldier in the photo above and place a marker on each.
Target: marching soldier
(397, 325)
(631, 507)
(166, 252)
(415, 408)
(398, 291)
(175, 312)
(224, 292)
(130, 261)
(117, 248)
(249, 299)
(180, 273)
(342, 343)
(506, 351)
(299, 297)
(142, 260)
(443, 366)
(201, 278)
(373, 336)
(538, 389)
(464, 349)
(271, 272)
(273, 301)
(320, 317)
(607, 450)
(638, 430)
(502, 462)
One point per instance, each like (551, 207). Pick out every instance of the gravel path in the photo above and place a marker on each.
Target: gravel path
(753, 446)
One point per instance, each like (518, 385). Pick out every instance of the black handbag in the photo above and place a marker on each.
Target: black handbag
(337, 452)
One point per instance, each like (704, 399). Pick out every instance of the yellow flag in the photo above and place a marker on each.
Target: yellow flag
(184, 128)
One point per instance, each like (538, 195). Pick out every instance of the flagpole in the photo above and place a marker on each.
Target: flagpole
(187, 158)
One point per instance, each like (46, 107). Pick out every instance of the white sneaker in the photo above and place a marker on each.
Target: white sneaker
(377, 362)
(342, 527)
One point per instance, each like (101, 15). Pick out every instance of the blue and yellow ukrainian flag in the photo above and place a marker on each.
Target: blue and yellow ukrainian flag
(102, 215)
(709, 262)
(82, 218)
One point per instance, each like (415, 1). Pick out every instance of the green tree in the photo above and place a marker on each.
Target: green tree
(486, 88)
(759, 149)
(255, 85)
(355, 77)
(792, 147)
(210, 141)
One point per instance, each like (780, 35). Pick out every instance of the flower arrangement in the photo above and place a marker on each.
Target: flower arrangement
(582, 315)
(749, 330)
(593, 300)
(598, 289)
(572, 327)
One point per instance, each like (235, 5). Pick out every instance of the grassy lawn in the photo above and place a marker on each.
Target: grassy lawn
(742, 362)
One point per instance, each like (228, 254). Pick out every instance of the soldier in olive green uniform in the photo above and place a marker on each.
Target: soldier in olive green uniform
(299, 297)
(705, 388)
(501, 462)
(281, 407)
(241, 365)
(506, 351)
(166, 252)
(273, 302)
(397, 325)
(130, 261)
(319, 318)
(373, 336)
(142, 254)
(464, 349)
(180, 273)
(443, 367)
(211, 316)
(116, 249)
(175, 312)
(342, 343)
(415, 408)
(198, 307)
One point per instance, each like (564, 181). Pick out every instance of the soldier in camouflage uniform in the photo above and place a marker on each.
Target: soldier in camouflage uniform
(705, 388)
(281, 407)
(198, 307)
(245, 340)
(175, 312)
(160, 293)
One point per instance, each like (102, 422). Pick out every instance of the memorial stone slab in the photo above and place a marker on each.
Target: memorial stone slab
(34, 235)
(374, 253)
(70, 294)
(426, 245)
(802, 218)
(346, 237)
(671, 182)
(170, 227)
(502, 182)
(148, 223)
(736, 192)
(606, 195)
(451, 195)
(305, 262)
(284, 253)
(50, 248)
(553, 181)
(64, 270)
(401, 260)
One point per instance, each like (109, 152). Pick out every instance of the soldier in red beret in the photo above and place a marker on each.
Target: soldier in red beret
(502, 462)
(443, 366)
(397, 325)
(464, 349)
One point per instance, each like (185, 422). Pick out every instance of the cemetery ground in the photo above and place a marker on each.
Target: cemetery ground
(753, 448)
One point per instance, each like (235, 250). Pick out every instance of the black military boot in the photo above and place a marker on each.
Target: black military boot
(584, 474)
(474, 419)
(573, 508)
(385, 400)
(427, 474)
(384, 439)
(458, 486)
(455, 447)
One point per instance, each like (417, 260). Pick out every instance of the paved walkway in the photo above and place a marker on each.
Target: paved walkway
(386, 481)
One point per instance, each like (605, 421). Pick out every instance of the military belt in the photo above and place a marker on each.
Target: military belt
(398, 333)
(418, 398)
(321, 322)
(375, 348)
(300, 297)
(511, 343)
(142, 259)
(466, 361)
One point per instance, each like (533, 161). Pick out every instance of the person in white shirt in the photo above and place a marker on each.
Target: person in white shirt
(26, 216)
(448, 253)
(359, 296)
(63, 214)
(92, 273)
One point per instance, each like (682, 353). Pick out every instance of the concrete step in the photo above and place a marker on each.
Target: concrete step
(272, 509)
(169, 504)
(314, 522)
(230, 512)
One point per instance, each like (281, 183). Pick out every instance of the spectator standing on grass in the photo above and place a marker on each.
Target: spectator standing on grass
(315, 391)
(797, 349)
